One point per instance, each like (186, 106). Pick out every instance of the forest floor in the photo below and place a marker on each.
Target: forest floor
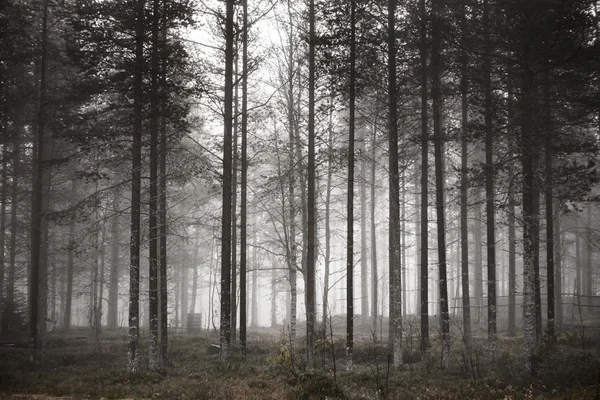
(76, 367)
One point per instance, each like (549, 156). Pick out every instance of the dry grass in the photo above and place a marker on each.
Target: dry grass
(72, 370)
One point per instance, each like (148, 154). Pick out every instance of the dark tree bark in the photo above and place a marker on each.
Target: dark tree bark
(136, 149)
(37, 195)
(549, 189)
(113, 287)
(395, 334)
(234, 191)
(244, 183)
(464, 179)
(489, 180)
(3, 195)
(438, 131)
(364, 265)
(328, 214)
(225, 335)
(254, 304)
(424, 309)
(374, 278)
(192, 308)
(350, 198)
(162, 197)
(311, 243)
(512, 236)
(153, 347)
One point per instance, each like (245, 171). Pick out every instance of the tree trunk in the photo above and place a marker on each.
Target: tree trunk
(512, 236)
(37, 196)
(162, 197)
(364, 271)
(234, 190)
(153, 347)
(134, 268)
(374, 277)
(436, 94)
(311, 195)
(254, 306)
(529, 217)
(192, 308)
(558, 266)
(464, 181)
(3, 195)
(424, 180)
(328, 215)
(225, 335)
(549, 216)
(350, 198)
(113, 289)
(244, 193)
(273, 298)
(489, 182)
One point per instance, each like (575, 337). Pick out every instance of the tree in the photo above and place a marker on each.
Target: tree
(350, 201)
(438, 131)
(37, 194)
(394, 199)
(244, 183)
(311, 194)
(225, 335)
(136, 178)
(424, 179)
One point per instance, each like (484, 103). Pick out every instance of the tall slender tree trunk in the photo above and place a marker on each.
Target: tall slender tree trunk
(350, 198)
(512, 236)
(14, 201)
(153, 347)
(254, 305)
(549, 189)
(311, 242)
(364, 259)
(234, 191)
(113, 287)
(558, 266)
(374, 277)
(529, 215)
(489, 181)
(225, 335)
(464, 180)
(162, 195)
(37, 195)
(244, 191)
(403, 248)
(328, 215)
(438, 130)
(3, 195)
(273, 298)
(395, 294)
(136, 149)
(192, 308)
(424, 272)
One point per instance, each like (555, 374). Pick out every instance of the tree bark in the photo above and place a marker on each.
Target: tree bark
(136, 149)
(424, 310)
(113, 289)
(162, 197)
(374, 277)
(225, 335)
(512, 236)
(37, 197)
(350, 198)
(489, 181)
(311, 195)
(464, 180)
(244, 192)
(438, 131)
(153, 347)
